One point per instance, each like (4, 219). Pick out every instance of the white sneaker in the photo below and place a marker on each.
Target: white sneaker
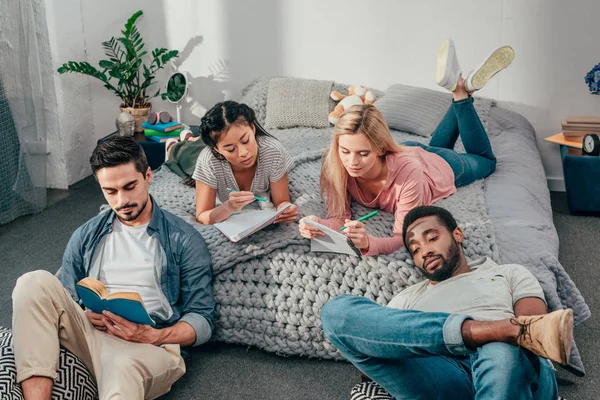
(499, 59)
(448, 70)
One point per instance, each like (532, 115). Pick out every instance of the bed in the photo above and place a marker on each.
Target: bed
(270, 288)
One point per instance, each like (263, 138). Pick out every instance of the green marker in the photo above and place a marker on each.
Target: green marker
(363, 218)
(255, 197)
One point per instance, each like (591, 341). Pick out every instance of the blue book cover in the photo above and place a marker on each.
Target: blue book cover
(129, 305)
(168, 127)
(159, 138)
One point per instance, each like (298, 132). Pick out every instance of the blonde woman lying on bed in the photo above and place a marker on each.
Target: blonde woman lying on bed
(366, 165)
(241, 164)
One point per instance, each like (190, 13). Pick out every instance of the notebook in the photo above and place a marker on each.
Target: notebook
(332, 242)
(244, 224)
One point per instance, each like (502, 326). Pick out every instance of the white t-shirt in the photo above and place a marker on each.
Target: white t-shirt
(128, 258)
(273, 160)
(488, 293)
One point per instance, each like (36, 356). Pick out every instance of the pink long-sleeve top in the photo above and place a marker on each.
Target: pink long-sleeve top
(415, 177)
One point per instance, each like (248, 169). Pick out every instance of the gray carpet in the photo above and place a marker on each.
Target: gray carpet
(219, 371)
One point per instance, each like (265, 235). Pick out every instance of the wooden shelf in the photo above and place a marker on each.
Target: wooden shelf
(574, 147)
(559, 138)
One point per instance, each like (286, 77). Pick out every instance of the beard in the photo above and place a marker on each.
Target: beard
(131, 216)
(448, 266)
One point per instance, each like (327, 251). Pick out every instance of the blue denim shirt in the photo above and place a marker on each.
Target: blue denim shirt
(185, 274)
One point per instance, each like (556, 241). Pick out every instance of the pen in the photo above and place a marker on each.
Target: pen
(363, 218)
(255, 197)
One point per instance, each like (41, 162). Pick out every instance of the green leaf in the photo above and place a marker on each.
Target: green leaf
(115, 73)
(169, 56)
(131, 22)
(158, 52)
(137, 64)
(106, 64)
(131, 53)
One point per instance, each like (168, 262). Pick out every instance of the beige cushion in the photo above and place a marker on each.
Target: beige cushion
(295, 102)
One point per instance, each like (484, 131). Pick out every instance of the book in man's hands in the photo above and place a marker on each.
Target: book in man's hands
(244, 224)
(129, 305)
(332, 242)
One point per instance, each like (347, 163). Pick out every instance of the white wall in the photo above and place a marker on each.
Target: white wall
(355, 41)
(72, 141)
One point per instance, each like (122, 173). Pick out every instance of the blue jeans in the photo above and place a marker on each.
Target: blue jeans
(461, 119)
(421, 355)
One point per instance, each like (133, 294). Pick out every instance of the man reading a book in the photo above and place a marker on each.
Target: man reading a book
(135, 246)
(470, 330)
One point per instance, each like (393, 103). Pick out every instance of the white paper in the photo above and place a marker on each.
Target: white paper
(239, 226)
(332, 242)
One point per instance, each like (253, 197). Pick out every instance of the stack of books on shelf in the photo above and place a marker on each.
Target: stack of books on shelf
(161, 132)
(574, 128)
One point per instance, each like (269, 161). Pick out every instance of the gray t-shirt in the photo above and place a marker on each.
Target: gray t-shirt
(488, 293)
(273, 160)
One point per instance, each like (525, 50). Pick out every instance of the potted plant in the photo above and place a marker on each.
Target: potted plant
(125, 74)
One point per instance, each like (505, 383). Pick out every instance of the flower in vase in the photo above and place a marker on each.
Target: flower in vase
(592, 79)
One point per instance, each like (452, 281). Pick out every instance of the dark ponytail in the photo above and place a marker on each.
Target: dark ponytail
(217, 120)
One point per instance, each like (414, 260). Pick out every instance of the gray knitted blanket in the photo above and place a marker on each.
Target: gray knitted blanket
(270, 288)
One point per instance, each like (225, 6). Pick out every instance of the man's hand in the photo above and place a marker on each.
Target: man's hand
(130, 331)
(98, 320)
(289, 215)
(356, 232)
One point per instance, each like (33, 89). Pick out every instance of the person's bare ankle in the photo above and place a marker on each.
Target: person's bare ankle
(37, 387)
(511, 331)
(477, 333)
(460, 92)
(467, 334)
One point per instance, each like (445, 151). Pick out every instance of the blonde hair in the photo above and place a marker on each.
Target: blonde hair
(361, 118)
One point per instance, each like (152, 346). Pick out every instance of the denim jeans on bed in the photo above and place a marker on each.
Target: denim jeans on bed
(419, 355)
(461, 119)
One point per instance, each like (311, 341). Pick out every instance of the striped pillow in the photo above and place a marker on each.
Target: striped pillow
(413, 109)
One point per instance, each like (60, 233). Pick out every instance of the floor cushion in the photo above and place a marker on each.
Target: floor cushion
(372, 391)
(369, 391)
(74, 382)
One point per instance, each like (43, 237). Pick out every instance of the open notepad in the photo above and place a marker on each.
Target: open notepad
(332, 242)
(244, 224)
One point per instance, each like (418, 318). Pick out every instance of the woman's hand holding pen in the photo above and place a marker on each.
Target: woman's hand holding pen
(237, 200)
(356, 232)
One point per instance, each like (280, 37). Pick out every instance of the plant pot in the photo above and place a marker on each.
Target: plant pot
(139, 114)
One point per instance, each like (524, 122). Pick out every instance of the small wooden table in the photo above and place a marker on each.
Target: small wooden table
(581, 174)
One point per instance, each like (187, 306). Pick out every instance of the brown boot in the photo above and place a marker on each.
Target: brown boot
(549, 335)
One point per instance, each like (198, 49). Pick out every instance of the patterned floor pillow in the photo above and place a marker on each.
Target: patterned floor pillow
(369, 391)
(372, 391)
(74, 382)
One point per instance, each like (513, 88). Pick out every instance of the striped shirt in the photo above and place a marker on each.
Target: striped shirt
(273, 162)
